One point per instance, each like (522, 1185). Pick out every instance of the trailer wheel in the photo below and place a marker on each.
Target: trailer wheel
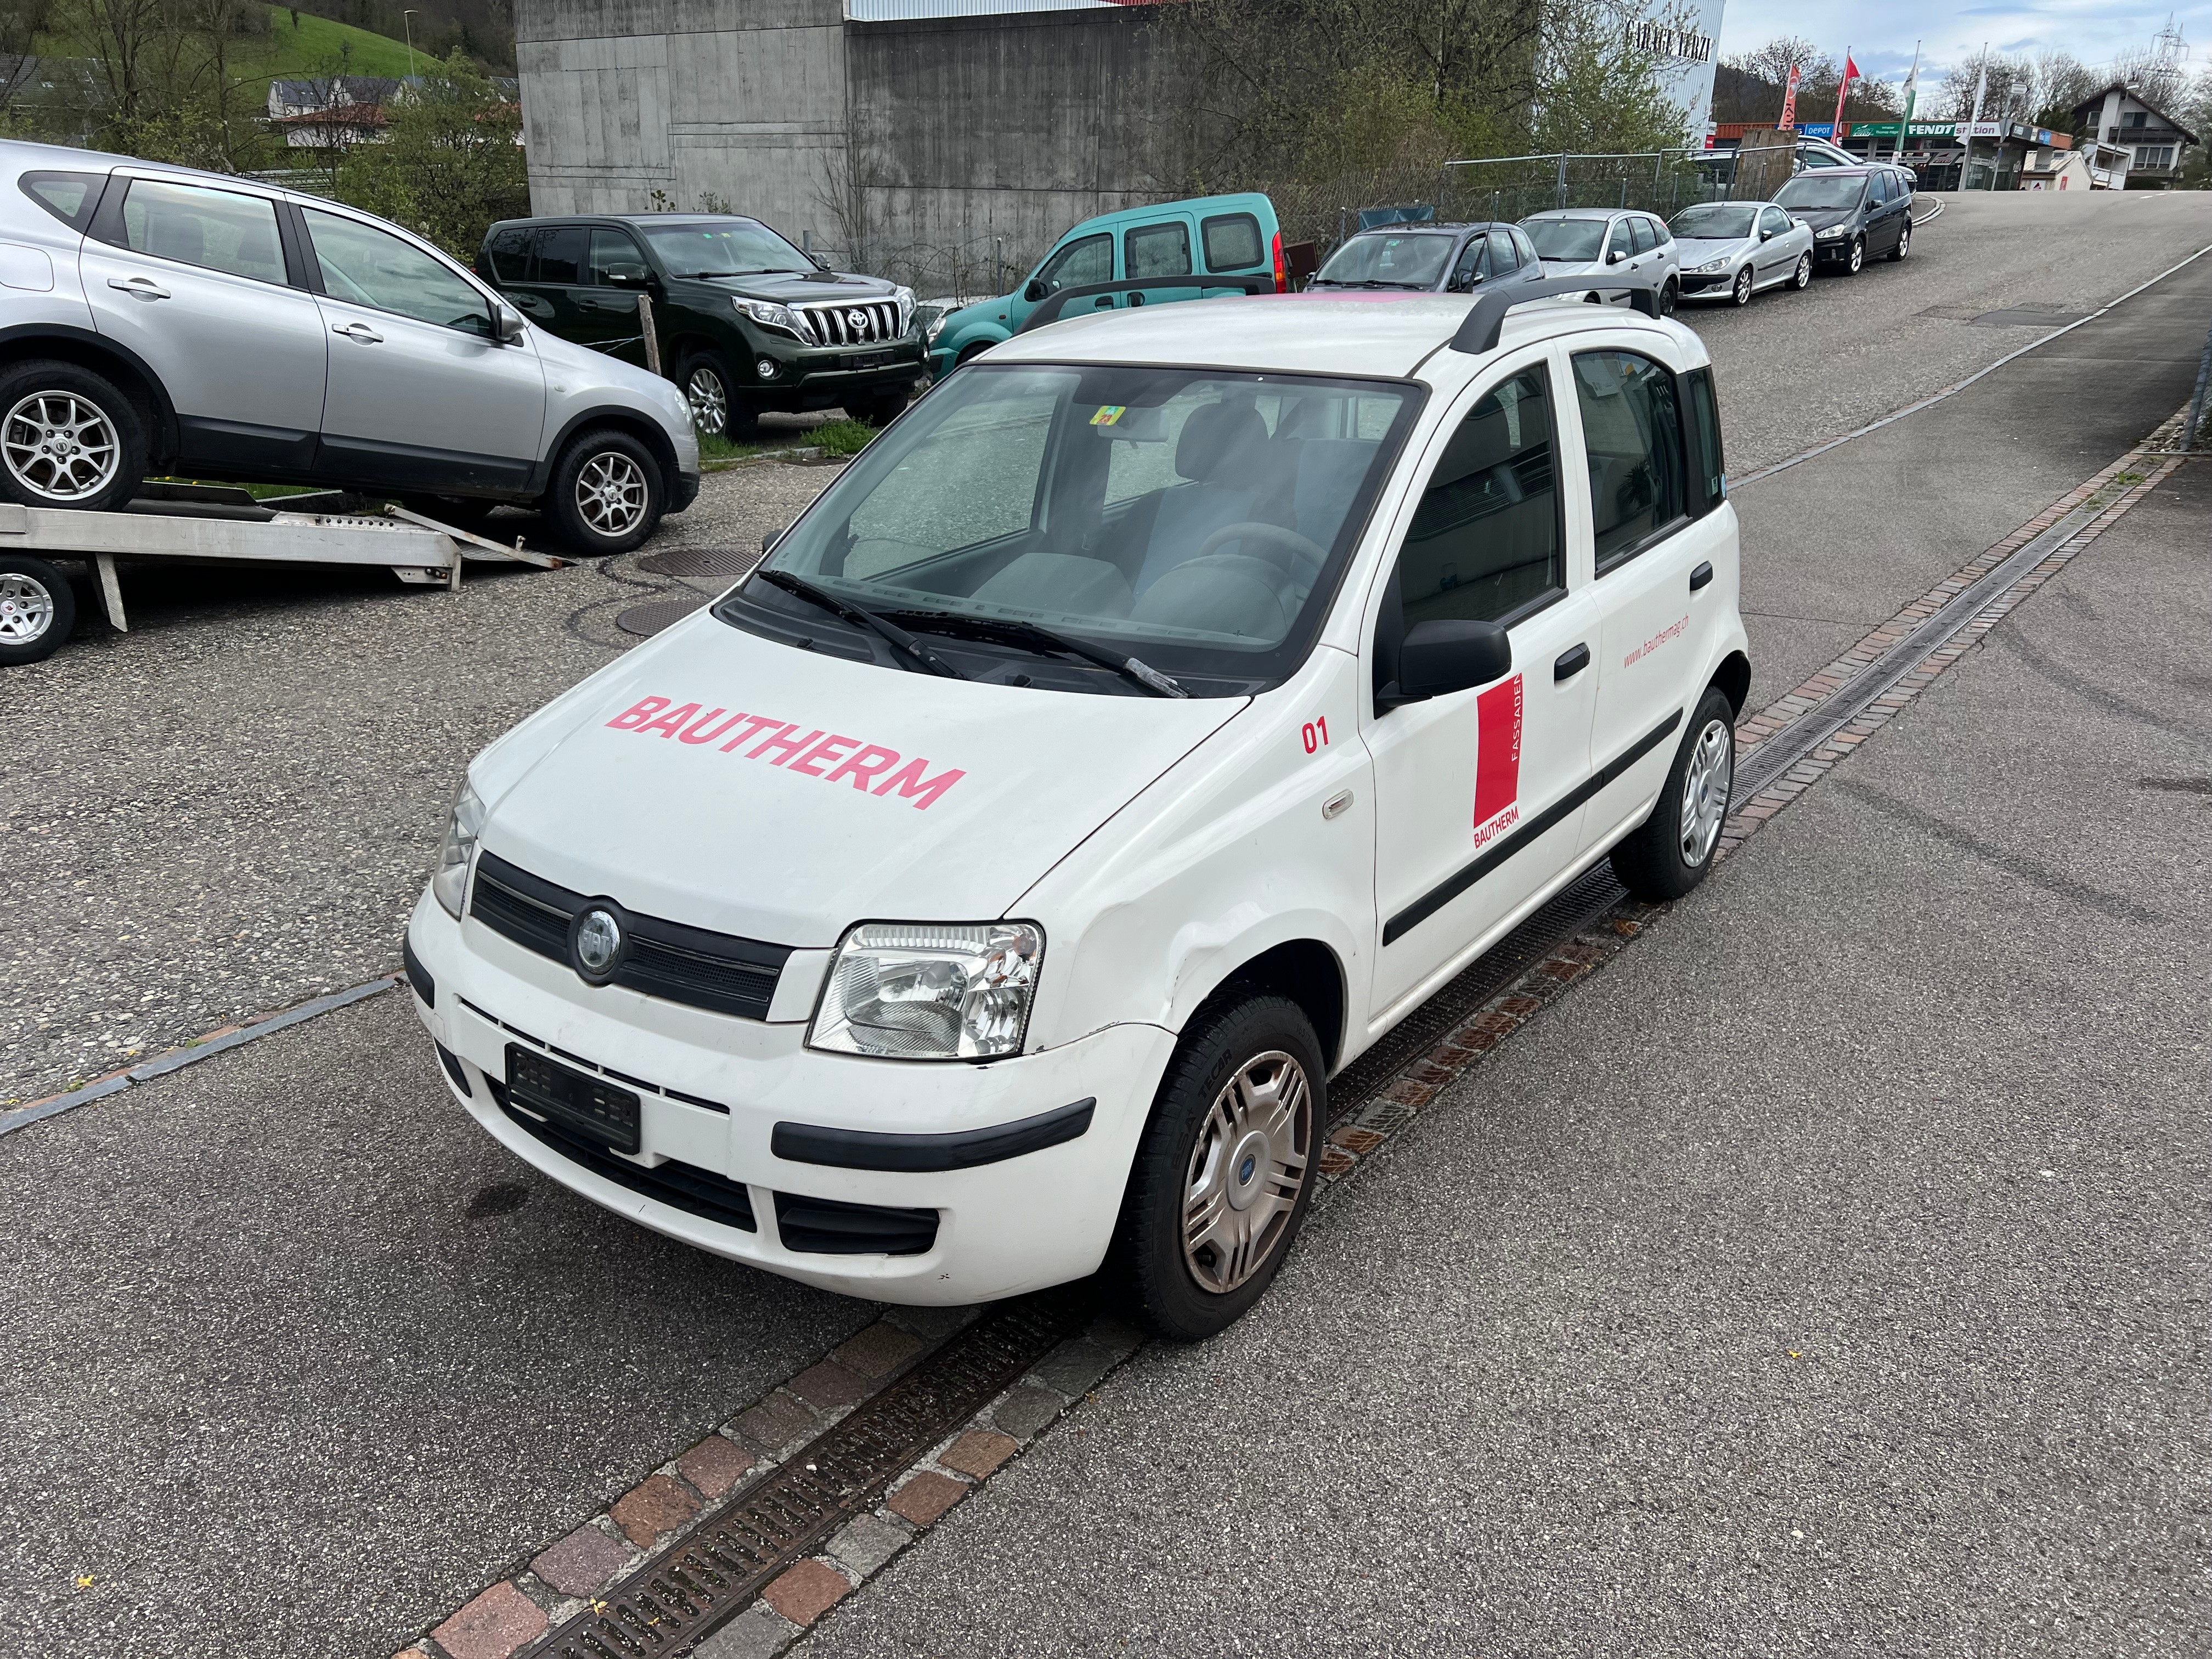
(68, 438)
(38, 610)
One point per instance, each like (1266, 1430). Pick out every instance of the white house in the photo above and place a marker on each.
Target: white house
(2154, 141)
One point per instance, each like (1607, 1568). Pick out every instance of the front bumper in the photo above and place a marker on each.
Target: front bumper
(824, 377)
(1018, 1223)
(1718, 283)
(1836, 251)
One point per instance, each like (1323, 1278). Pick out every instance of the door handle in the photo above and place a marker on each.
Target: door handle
(1105, 303)
(361, 331)
(1701, 575)
(145, 287)
(1570, 662)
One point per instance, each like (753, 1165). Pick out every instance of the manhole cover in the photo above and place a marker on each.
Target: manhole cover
(646, 619)
(701, 561)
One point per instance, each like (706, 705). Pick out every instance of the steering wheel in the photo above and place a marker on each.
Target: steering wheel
(1283, 543)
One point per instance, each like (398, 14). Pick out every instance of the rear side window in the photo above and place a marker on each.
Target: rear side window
(1157, 250)
(1632, 435)
(70, 197)
(560, 255)
(508, 251)
(1641, 230)
(1528, 248)
(215, 230)
(1232, 242)
(1485, 542)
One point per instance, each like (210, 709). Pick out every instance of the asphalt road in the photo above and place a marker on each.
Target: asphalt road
(301, 1349)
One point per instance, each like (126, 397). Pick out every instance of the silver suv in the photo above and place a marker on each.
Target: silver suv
(160, 320)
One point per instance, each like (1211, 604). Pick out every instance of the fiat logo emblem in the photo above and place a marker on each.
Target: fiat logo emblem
(859, 318)
(595, 942)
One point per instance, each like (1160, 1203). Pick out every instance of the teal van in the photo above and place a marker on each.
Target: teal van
(1212, 234)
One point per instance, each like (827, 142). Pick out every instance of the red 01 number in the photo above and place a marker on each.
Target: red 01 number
(1316, 733)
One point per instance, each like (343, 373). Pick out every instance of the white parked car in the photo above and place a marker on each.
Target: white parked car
(986, 888)
(1731, 250)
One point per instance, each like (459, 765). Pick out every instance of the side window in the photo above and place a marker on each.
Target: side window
(1528, 248)
(1485, 541)
(1659, 234)
(1504, 260)
(70, 197)
(1877, 190)
(1640, 230)
(371, 267)
(613, 252)
(1232, 242)
(1155, 251)
(218, 229)
(1088, 260)
(1709, 466)
(1774, 219)
(1472, 264)
(560, 255)
(509, 253)
(1632, 433)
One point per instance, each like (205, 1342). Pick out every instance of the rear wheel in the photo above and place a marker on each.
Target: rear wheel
(1669, 296)
(68, 438)
(37, 609)
(607, 493)
(1226, 1171)
(1740, 291)
(1670, 853)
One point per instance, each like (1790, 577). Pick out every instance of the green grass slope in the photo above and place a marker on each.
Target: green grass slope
(316, 47)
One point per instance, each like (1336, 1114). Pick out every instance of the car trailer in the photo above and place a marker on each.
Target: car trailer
(213, 524)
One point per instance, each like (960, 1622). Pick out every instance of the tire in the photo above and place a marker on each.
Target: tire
(1740, 290)
(1671, 851)
(1246, 1049)
(970, 352)
(882, 410)
(607, 493)
(1903, 248)
(68, 438)
(38, 610)
(711, 390)
(1856, 263)
(1802, 278)
(1669, 297)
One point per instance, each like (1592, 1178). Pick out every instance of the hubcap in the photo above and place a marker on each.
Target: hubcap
(26, 609)
(1859, 255)
(1247, 1171)
(1804, 269)
(1705, 792)
(710, 401)
(60, 447)
(610, 493)
(1743, 287)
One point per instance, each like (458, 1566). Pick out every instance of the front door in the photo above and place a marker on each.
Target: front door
(1073, 264)
(1477, 809)
(618, 276)
(194, 281)
(1647, 547)
(422, 394)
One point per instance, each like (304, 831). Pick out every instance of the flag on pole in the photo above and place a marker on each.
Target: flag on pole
(1851, 74)
(1912, 86)
(1788, 121)
(1981, 85)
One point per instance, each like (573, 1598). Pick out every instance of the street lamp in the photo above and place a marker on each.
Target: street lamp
(407, 23)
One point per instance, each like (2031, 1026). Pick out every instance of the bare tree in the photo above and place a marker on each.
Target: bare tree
(2153, 76)
(1772, 63)
(22, 22)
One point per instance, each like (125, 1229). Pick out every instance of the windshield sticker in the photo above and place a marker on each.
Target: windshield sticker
(830, 755)
(1108, 413)
(1497, 760)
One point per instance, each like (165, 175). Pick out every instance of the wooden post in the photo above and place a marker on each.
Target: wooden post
(644, 326)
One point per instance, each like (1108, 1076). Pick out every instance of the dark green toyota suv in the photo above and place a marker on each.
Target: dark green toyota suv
(746, 321)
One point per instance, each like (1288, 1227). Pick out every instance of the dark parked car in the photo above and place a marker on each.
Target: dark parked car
(1854, 213)
(746, 322)
(1438, 258)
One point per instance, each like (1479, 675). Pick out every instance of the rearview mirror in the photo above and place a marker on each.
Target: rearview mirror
(506, 323)
(1438, 658)
(1034, 292)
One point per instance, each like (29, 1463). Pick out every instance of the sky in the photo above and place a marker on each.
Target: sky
(1879, 34)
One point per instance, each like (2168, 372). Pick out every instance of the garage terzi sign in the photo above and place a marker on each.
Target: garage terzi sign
(1686, 45)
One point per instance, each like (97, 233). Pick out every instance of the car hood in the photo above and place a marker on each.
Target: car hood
(1818, 218)
(626, 788)
(1696, 250)
(801, 289)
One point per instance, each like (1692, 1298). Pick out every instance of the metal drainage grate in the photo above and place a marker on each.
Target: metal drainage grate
(648, 620)
(724, 562)
(666, 1608)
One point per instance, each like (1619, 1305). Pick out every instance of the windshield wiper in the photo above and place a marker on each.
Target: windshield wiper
(1365, 282)
(919, 657)
(1013, 632)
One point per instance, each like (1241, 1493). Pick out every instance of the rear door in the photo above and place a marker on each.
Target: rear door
(196, 281)
(562, 280)
(422, 394)
(1160, 248)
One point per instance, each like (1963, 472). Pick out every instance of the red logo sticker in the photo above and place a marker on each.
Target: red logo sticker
(1497, 759)
(848, 759)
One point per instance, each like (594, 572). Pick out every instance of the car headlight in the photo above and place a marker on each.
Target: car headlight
(932, 320)
(768, 314)
(905, 298)
(1832, 230)
(1712, 267)
(450, 880)
(906, 990)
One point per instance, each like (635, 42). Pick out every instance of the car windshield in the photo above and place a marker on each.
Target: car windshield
(1808, 191)
(1194, 520)
(1566, 239)
(1390, 259)
(1714, 220)
(723, 247)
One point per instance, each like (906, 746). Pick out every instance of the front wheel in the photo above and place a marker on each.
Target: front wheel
(1857, 262)
(706, 380)
(37, 609)
(1740, 291)
(884, 408)
(1226, 1169)
(607, 493)
(1670, 852)
(1904, 247)
(1802, 278)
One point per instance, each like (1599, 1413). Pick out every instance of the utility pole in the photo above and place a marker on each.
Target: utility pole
(407, 23)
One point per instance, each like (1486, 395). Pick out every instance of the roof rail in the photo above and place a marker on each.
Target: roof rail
(1052, 305)
(1479, 332)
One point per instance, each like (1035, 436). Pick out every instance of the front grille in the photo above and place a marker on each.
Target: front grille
(678, 1185)
(858, 322)
(719, 972)
(823, 1226)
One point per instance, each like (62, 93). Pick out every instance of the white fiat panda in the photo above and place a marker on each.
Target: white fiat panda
(986, 887)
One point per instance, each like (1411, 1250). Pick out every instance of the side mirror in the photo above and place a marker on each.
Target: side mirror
(506, 323)
(1438, 658)
(820, 264)
(629, 275)
(1034, 292)
(1765, 235)
(1614, 256)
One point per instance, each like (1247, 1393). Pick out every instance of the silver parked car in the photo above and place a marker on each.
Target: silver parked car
(1594, 242)
(160, 320)
(1730, 250)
